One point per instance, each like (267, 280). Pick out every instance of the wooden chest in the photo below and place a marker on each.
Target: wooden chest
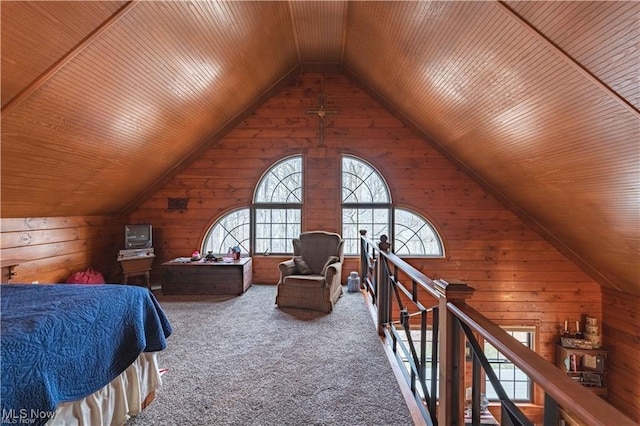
(206, 277)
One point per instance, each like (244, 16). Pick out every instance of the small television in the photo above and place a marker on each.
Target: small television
(138, 236)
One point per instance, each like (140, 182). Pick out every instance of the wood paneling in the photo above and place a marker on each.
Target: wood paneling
(319, 32)
(608, 35)
(52, 248)
(538, 100)
(621, 335)
(114, 120)
(534, 104)
(36, 34)
(520, 279)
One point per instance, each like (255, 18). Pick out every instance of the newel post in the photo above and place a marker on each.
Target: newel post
(451, 353)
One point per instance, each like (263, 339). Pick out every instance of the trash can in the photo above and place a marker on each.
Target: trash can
(353, 282)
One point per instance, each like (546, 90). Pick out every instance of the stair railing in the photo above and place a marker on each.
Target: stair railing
(426, 322)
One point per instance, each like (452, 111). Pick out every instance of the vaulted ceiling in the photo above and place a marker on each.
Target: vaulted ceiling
(537, 100)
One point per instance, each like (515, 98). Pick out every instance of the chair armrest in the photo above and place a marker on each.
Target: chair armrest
(288, 267)
(334, 271)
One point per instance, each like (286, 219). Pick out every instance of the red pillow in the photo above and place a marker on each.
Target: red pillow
(90, 276)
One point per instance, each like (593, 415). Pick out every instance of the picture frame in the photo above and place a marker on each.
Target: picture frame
(591, 379)
(593, 362)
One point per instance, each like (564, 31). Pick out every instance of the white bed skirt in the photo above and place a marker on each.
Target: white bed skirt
(115, 403)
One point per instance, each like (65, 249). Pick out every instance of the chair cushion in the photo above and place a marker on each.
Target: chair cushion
(302, 266)
(308, 281)
(331, 260)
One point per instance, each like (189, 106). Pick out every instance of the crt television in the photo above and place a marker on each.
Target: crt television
(138, 236)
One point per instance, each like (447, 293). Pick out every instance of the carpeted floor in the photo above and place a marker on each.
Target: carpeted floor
(244, 361)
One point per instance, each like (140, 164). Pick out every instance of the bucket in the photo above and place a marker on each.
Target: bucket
(353, 282)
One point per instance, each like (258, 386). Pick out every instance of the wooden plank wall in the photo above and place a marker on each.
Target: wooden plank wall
(51, 248)
(621, 335)
(520, 278)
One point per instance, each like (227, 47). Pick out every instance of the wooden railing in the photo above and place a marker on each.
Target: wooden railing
(426, 323)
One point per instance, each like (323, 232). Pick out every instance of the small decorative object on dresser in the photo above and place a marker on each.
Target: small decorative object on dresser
(234, 252)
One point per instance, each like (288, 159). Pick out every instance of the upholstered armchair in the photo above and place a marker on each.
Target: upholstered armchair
(312, 278)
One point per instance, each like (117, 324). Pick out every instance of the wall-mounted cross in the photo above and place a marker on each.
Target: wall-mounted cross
(321, 112)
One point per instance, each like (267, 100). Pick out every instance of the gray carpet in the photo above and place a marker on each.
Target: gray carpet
(244, 361)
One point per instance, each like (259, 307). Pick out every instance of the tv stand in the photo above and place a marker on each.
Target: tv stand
(136, 263)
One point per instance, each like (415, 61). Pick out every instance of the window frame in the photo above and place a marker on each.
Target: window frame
(387, 206)
(203, 245)
(271, 239)
(533, 344)
(286, 206)
(266, 173)
(427, 223)
(391, 212)
(255, 206)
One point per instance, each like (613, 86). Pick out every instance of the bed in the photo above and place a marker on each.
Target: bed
(78, 351)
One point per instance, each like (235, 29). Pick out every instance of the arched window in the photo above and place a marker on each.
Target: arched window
(362, 184)
(276, 214)
(414, 235)
(231, 230)
(275, 218)
(281, 184)
(366, 204)
(278, 206)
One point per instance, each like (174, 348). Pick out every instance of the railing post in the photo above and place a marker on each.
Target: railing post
(383, 293)
(384, 286)
(451, 353)
(364, 265)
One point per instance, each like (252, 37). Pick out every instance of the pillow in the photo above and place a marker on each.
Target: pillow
(302, 266)
(330, 261)
(90, 276)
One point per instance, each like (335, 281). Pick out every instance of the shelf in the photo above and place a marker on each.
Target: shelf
(593, 376)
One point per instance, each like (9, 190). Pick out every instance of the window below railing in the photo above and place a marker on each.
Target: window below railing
(517, 385)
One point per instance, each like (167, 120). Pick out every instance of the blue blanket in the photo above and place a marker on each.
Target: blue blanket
(63, 342)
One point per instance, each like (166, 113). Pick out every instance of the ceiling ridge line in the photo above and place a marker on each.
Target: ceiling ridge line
(561, 53)
(296, 40)
(345, 21)
(66, 58)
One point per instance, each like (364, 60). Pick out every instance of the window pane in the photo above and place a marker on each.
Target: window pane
(414, 236)
(275, 228)
(361, 183)
(229, 231)
(282, 183)
(375, 221)
(515, 382)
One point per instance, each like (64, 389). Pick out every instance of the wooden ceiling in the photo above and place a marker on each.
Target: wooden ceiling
(538, 100)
